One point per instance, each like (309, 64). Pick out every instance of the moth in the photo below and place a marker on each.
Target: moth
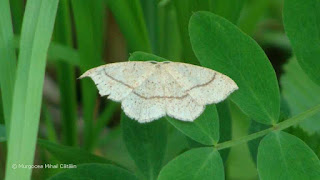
(149, 90)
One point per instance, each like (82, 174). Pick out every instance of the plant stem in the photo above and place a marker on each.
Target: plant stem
(280, 126)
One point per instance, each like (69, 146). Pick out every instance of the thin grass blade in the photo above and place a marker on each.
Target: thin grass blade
(36, 33)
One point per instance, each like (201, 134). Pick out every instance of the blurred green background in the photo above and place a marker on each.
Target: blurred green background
(89, 33)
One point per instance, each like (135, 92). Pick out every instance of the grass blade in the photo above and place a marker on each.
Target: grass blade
(129, 17)
(89, 43)
(58, 52)
(253, 11)
(169, 37)
(66, 76)
(36, 33)
(150, 9)
(7, 60)
(229, 9)
(51, 133)
(17, 13)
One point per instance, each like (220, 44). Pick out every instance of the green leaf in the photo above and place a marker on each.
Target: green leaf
(301, 94)
(257, 127)
(71, 155)
(66, 76)
(254, 144)
(169, 38)
(129, 17)
(26, 105)
(229, 9)
(204, 129)
(87, 17)
(2, 133)
(49, 124)
(199, 163)
(311, 140)
(7, 60)
(146, 144)
(150, 12)
(184, 10)
(58, 52)
(284, 156)
(177, 143)
(142, 56)
(301, 21)
(225, 126)
(220, 45)
(104, 119)
(17, 13)
(251, 14)
(224, 129)
(114, 148)
(95, 171)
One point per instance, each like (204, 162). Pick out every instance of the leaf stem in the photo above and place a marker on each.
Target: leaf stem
(277, 127)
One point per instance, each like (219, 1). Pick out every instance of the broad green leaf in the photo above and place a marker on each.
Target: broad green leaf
(225, 129)
(36, 33)
(284, 156)
(204, 129)
(220, 45)
(301, 93)
(177, 143)
(71, 155)
(254, 144)
(301, 21)
(256, 127)
(2, 133)
(129, 17)
(95, 171)
(311, 140)
(199, 163)
(146, 144)
(7, 60)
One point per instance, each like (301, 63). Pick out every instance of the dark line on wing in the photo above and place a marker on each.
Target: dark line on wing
(200, 85)
(161, 97)
(121, 82)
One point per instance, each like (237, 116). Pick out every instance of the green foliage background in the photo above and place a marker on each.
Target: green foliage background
(268, 129)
